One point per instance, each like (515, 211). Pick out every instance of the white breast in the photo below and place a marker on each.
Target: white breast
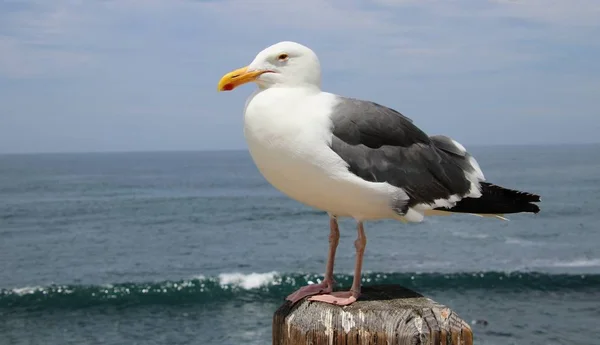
(288, 133)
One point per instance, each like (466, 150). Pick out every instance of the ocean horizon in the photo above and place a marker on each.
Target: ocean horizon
(244, 149)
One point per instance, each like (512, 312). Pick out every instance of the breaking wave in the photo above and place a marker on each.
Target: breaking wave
(275, 286)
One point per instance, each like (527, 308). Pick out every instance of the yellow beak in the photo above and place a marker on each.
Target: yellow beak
(236, 78)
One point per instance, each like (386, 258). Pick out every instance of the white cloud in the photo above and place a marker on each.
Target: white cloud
(314, 15)
(21, 60)
(556, 12)
(141, 59)
(37, 40)
(46, 37)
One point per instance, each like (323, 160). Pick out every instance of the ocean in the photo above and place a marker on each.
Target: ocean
(197, 248)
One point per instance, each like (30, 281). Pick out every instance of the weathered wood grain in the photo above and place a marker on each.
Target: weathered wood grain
(384, 315)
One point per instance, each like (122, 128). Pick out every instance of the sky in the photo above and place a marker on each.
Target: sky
(141, 75)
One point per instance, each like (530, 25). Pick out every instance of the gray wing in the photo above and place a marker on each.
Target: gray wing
(381, 145)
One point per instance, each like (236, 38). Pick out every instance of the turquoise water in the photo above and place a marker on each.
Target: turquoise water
(196, 248)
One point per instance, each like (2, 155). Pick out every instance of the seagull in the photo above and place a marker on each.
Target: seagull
(354, 158)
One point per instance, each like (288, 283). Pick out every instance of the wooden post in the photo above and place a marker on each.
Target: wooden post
(383, 315)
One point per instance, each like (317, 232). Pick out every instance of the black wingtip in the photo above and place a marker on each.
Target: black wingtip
(532, 208)
(499, 200)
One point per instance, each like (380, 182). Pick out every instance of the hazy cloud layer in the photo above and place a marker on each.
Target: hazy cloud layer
(100, 75)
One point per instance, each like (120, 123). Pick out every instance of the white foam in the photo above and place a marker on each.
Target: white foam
(578, 263)
(571, 263)
(26, 290)
(522, 242)
(469, 235)
(247, 281)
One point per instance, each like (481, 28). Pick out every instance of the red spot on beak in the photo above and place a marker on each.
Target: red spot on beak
(228, 87)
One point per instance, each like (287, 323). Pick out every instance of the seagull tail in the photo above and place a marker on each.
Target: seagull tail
(496, 200)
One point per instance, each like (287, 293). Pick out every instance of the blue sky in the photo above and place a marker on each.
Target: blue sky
(129, 75)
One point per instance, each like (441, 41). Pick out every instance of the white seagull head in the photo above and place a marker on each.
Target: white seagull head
(284, 64)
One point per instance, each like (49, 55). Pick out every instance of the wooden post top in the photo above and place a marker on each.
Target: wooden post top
(383, 315)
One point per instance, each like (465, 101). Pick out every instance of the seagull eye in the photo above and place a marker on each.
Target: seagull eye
(282, 57)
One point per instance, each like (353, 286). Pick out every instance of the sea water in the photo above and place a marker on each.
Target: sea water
(197, 248)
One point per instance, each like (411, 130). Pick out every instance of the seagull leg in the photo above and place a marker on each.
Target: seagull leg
(327, 285)
(349, 297)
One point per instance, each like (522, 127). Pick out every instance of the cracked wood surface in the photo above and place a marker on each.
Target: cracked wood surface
(384, 315)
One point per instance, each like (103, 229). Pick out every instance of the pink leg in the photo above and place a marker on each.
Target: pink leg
(349, 297)
(327, 285)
